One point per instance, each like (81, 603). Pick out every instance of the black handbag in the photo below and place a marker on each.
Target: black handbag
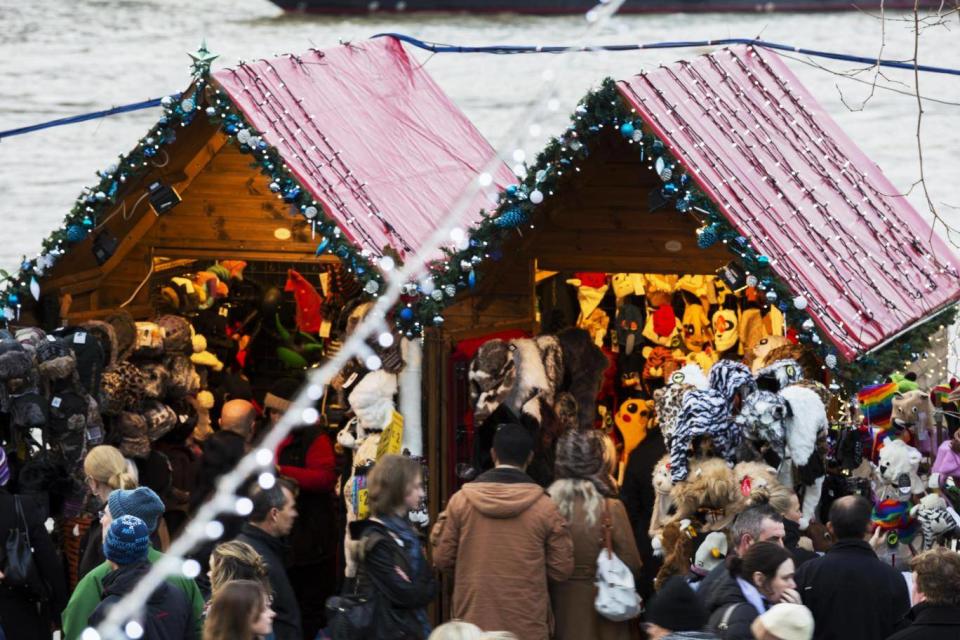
(19, 567)
(351, 617)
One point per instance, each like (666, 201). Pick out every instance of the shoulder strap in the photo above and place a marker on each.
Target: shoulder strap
(607, 528)
(23, 519)
(725, 620)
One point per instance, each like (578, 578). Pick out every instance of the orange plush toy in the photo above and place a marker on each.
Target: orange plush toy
(632, 419)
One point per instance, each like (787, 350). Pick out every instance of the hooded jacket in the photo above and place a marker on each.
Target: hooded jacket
(168, 614)
(503, 510)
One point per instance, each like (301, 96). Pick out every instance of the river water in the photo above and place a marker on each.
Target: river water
(63, 57)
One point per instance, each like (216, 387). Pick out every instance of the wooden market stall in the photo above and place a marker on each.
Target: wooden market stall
(332, 158)
(725, 165)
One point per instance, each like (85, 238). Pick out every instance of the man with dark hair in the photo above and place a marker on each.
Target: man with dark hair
(852, 594)
(272, 518)
(503, 539)
(936, 597)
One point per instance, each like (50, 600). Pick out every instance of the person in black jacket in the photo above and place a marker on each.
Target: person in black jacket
(752, 584)
(267, 526)
(936, 614)
(168, 614)
(392, 567)
(638, 494)
(852, 594)
(24, 613)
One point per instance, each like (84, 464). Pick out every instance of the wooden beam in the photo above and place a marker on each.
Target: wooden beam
(191, 170)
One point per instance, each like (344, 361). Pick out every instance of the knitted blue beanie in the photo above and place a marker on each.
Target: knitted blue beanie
(141, 502)
(127, 540)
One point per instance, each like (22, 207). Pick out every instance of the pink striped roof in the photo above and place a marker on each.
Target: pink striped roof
(786, 177)
(370, 134)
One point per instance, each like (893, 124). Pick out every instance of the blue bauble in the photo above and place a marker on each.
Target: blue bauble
(684, 204)
(406, 314)
(669, 190)
(292, 194)
(231, 128)
(149, 152)
(657, 147)
(512, 190)
(510, 219)
(87, 222)
(76, 233)
(472, 278)
(763, 261)
(627, 129)
(707, 237)
(324, 243)
(13, 299)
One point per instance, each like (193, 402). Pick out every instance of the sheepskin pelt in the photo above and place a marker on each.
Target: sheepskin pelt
(806, 423)
(704, 414)
(584, 364)
(551, 353)
(372, 400)
(710, 494)
(492, 377)
(531, 380)
(728, 378)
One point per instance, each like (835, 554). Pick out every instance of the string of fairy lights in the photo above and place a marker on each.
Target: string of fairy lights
(122, 620)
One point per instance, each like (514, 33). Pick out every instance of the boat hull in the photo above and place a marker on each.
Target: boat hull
(562, 7)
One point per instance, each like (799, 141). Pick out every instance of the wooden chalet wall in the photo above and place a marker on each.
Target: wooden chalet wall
(598, 219)
(227, 212)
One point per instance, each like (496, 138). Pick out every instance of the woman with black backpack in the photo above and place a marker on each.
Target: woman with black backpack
(394, 582)
(33, 590)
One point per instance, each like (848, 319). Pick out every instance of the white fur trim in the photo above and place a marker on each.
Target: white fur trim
(531, 379)
(808, 422)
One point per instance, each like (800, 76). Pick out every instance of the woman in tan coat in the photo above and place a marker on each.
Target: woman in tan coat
(584, 489)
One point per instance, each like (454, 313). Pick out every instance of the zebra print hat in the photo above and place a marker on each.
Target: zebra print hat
(727, 377)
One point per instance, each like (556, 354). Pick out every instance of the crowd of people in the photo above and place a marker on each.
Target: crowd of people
(522, 560)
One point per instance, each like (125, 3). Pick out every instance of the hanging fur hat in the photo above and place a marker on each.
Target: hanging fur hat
(150, 338)
(130, 434)
(106, 337)
(372, 400)
(728, 378)
(761, 421)
(779, 375)
(30, 337)
(125, 330)
(177, 335)
(184, 379)
(55, 359)
(156, 380)
(703, 414)
(668, 403)
(121, 389)
(160, 418)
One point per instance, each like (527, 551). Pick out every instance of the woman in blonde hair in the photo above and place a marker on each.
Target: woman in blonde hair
(235, 560)
(584, 492)
(787, 504)
(459, 630)
(105, 470)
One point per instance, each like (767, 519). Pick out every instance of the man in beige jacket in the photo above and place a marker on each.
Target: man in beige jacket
(503, 539)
